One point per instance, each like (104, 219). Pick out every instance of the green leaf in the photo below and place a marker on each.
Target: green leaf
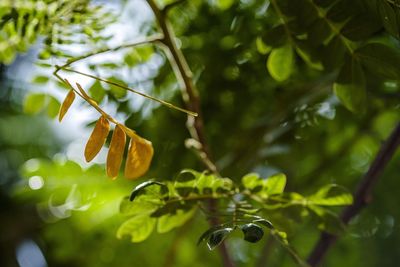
(138, 228)
(213, 182)
(138, 55)
(204, 181)
(169, 221)
(388, 17)
(319, 31)
(275, 184)
(173, 207)
(138, 189)
(360, 27)
(143, 204)
(308, 54)
(262, 48)
(280, 63)
(34, 103)
(333, 53)
(224, 4)
(204, 236)
(252, 232)
(264, 222)
(53, 107)
(41, 79)
(341, 11)
(350, 86)
(217, 237)
(331, 195)
(380, 59)
(251, 180)
(117, 91)
(97, 91)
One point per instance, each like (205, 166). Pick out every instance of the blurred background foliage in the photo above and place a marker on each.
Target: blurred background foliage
(265, 72)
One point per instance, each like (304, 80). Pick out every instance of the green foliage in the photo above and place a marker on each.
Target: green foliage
(171, 204)
(37, 102)
(22, 22)
(322, 33)
(292, 125)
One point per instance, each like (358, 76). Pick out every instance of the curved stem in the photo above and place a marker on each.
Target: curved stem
(361, 197)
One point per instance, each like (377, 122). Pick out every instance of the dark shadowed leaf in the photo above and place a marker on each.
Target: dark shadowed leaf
(380, 59)
(360, 27)
(206, 235)
(275, 37)
(264, 222)
(389, 17)
(252, 232)
(217, 237)
(333, 53)
(350, 86)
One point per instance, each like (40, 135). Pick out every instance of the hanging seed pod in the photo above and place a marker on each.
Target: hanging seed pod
(116, 152)
(97, 138)
(69, 99)
(139, 158)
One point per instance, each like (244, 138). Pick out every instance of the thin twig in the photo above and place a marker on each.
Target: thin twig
(191, 98)
(141, 41)
(361, 197)
(131, 90)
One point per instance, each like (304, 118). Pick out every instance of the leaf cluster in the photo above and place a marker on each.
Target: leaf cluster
(249, 206)
(61, 23)
(347, 38)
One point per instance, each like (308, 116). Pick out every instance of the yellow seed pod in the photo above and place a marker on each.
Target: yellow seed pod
(139, 158)
(116, 152)
(69, 99)
(97, 138)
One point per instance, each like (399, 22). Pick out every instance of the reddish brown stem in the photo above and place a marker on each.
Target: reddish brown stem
(361, 197)
(191, 98)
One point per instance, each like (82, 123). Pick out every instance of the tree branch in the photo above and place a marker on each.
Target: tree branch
(361, 197)
(141, 41)
(191, 98)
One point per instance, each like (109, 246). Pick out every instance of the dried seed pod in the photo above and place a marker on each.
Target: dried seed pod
(97, 138)
(69, 99)
(116, 152)
(139, 158)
